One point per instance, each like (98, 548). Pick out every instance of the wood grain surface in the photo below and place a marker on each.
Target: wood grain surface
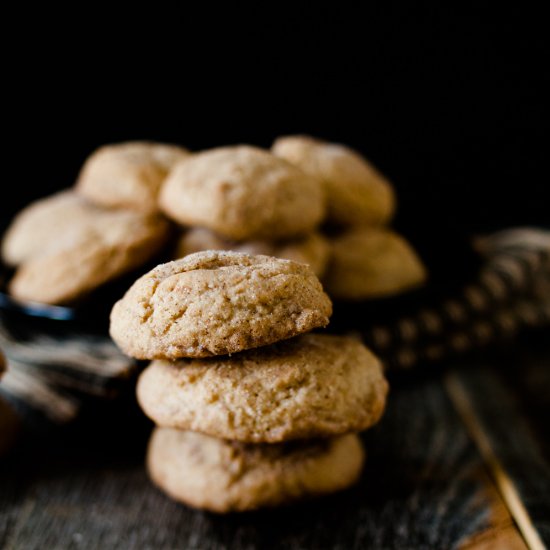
(500, 532)
(425, 485)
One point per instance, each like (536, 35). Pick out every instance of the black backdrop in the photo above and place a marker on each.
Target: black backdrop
(450, 103)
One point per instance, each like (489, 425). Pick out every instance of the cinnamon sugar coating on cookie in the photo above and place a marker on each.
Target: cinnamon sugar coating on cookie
(311, 386)
(225, 476)
(243, 193)
(215, 303)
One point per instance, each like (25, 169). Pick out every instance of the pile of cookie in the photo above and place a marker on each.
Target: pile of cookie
(67, 245)
(306, 200)
(252, 409)
(9, 422)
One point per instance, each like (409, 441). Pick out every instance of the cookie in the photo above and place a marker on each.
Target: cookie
(128, 175)
(307, 387)
(9, 427)
(357, 194)
(224, 476)
(312, 249)
(214, 303)
(243, 193)
(99, 245)
(372, 263)
(46, 224)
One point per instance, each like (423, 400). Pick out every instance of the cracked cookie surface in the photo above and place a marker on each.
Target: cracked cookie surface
(243, 193)
(215, 303)
(311, 386)
(224, 476)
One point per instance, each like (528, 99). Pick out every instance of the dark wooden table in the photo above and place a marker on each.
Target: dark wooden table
(454, 436)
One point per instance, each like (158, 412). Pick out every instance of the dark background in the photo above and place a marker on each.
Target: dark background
(450, 103)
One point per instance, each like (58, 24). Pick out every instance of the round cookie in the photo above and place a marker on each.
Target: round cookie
(312, 249)
(128, 175)
(372, 263)
(101, 245)
(64, 221)
(243, 193)
(224, 476)
(357, 194)
(50, 223)
(307, 387)
(214, 303)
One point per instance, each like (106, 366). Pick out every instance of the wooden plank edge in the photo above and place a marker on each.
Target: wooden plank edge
(504, 483)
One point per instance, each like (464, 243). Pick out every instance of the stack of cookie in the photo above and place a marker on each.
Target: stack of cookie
(9, 423)
(305, 200)
(67, 245)
(251, 411)
(368, 260)
(244, 199)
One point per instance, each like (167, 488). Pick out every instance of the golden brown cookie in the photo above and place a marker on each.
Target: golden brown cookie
(224, 476)
(214, 303)
(50, 223)
(128, 175)
(357, 194)
(372, 263)
(312, 249)
(92, 246)
(243, 193)
(310, 386)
